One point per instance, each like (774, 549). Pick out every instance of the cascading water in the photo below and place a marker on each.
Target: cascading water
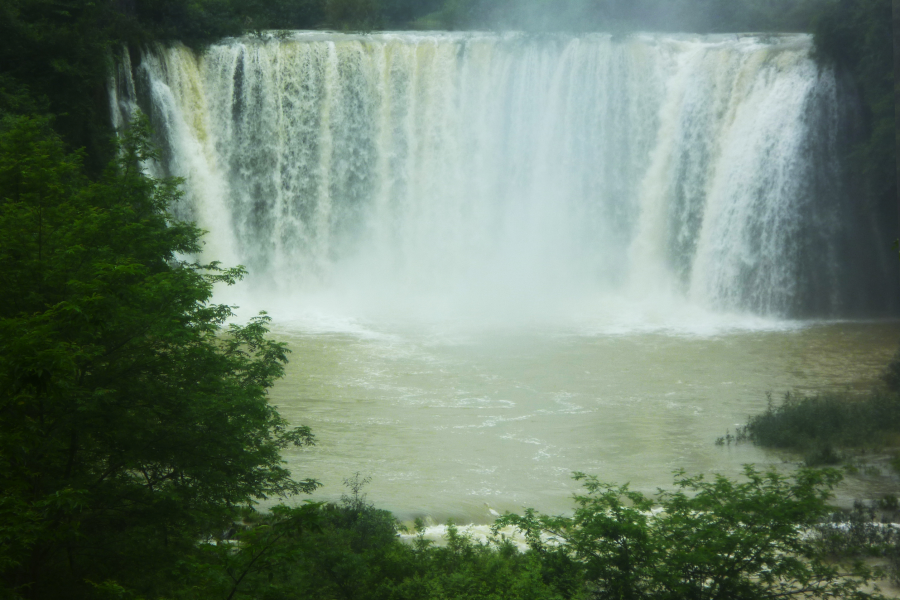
(510, 171)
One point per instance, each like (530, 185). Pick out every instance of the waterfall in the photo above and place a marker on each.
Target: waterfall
(480, 169)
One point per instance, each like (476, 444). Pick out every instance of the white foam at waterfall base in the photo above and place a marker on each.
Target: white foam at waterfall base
(368, 314)
(651, 183)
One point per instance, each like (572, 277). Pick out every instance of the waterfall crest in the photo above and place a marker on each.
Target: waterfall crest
(509, 169)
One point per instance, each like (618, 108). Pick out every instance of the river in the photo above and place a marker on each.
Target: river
(450, 423)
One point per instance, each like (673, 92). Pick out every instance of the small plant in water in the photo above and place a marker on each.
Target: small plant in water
(355, 501)
(821, 428)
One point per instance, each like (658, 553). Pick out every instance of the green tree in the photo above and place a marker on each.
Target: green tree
(354, 15)
(716, 540)
(57, 52)
(858, 36)
(131, 423)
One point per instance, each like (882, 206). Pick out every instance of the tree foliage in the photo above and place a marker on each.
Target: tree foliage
(351, 551)
(822, 426)
(718, 539)
(757, 538)
(54, 61)
(858, 36)
(130, 421)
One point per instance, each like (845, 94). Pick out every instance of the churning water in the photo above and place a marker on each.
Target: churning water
(502, 257)
(456, 424)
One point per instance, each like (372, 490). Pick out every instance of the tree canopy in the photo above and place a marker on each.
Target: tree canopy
(131, 419)
(858, 36)
(718, 540)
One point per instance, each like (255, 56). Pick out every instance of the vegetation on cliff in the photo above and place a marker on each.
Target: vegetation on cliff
(858, 36)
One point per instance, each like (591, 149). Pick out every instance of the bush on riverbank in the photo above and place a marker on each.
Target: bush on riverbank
(819, 426)
(352, 551)
(740, 540)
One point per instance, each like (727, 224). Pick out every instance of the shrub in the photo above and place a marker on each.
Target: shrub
(818, 425)
(709, 539)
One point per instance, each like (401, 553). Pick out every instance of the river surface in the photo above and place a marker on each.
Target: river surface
(455, 422)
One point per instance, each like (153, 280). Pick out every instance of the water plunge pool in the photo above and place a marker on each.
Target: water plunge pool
(456, 423)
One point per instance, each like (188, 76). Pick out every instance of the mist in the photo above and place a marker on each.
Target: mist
(695, 16)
